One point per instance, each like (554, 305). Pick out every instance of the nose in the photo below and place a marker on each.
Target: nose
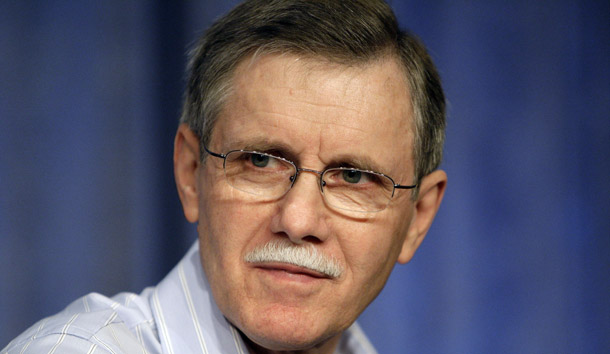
(301, 211)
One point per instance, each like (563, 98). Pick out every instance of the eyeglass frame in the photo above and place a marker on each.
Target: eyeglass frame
(320, 173)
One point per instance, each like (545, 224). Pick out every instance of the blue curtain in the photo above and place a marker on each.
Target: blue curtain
(517, 261)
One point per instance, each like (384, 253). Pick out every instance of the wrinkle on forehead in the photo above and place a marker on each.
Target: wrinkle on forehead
(310, 77)
(274, 119)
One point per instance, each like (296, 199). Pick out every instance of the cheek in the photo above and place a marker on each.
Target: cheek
(228, 227)
(229, 223)
(372, 248)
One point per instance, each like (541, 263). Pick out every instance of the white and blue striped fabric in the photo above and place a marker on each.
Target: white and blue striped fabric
(178, 316)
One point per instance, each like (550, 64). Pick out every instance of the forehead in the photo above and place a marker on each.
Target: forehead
(320, 108)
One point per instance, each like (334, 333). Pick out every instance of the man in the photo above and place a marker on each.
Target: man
(307, 155)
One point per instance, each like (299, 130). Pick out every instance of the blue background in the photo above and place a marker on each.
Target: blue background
(518, 260)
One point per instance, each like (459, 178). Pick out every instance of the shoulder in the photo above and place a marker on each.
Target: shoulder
(93, 323)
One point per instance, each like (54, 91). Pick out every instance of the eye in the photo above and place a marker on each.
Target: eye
(259, 160)
(352, 176)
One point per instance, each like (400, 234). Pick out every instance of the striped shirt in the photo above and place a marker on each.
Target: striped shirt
(179, 316)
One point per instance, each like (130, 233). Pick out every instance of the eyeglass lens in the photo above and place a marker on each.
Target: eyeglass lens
(271, 177)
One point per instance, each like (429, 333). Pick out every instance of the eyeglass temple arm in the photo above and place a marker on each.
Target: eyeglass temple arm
(398, 186)
(222, 156)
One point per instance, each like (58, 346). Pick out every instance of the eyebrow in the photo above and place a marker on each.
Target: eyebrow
(355, 161)
(264, 145)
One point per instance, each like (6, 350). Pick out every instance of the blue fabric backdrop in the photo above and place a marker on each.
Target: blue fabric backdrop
(518, 260)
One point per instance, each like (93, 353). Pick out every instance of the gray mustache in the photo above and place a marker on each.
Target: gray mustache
(283, 251)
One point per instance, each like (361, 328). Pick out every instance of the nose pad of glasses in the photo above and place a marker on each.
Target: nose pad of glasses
(322, 182)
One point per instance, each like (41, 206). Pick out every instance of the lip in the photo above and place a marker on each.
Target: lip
(290, 271)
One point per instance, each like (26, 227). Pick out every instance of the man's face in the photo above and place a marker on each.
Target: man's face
(317, 115)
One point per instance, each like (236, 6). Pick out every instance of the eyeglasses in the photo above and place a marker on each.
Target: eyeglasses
(270, 177)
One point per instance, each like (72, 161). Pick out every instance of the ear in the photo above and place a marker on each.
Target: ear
(186, 167)
(431, 191)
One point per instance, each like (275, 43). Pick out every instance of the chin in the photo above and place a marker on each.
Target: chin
(286, 330)
(285, 342)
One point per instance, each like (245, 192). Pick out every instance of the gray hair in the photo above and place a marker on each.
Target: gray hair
(348, 32)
